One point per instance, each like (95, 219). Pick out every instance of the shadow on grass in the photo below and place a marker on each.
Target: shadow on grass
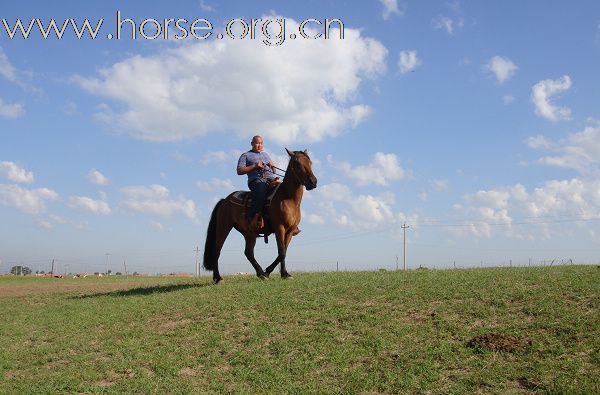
(155, 289)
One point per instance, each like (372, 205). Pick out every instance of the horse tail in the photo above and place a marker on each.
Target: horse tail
(210, 247)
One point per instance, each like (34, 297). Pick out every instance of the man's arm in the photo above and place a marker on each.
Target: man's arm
(247, 169)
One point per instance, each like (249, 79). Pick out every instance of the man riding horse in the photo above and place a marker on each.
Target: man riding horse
(254, 163)
(284, 214)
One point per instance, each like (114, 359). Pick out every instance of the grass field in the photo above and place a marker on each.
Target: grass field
(509, 330)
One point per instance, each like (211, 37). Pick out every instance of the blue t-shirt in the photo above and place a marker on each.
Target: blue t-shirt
(250, 158)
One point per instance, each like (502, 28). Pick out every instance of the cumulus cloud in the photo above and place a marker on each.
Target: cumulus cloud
(95, 177)
(439, 185)
(538, 141)
(408, 61)
(314, 219)
(29, 201)
(14, 173)
(502, 68)
(571, 199)
(336, 204)
(508, 99)
(14, 110)
(221, 156)
(6, 68)
(157, 225)
(578, 151)
(383, 169)
(85, 203)
(155, 200)
(215, 184)
(206, 7)
(242, 86)
(448, 24)
(17, 77)
(541, 95)
(390, 7)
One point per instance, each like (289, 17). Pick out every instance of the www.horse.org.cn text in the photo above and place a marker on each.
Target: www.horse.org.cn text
(271, 31)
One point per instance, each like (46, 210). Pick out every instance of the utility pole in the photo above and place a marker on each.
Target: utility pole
(107, 261)
(125, 266)
(197, 262)
(66, 270)
(52, 272)
(404, 227)
(396, 262)
(337, 266)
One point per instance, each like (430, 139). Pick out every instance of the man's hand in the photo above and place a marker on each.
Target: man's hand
(259, 165)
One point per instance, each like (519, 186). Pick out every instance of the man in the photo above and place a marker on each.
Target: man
(254, 163)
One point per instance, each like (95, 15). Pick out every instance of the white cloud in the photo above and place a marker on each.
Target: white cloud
(383, 169)
(11, 110)
(243, 86)
(221, 156)
(95, 177)
(508, 99)
(579, 151)
(314, 219)
(215, 184)
(503, 68)
(89, 204)
(6, 69)
(390, 7)
(554, 200)
(30, 201)
(14, 173)
(155, 200)
(538, 141)
(336, 204)
(541, 95)
(408, 61)
(18, 77)
(57, 219)
(206, 7)
(157, 225)
(439, 185)
(70, 108)
(446, 23)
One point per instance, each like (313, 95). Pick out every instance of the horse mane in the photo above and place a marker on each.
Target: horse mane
(301, 153)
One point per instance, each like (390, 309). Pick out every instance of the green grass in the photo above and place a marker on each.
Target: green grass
(367, 332)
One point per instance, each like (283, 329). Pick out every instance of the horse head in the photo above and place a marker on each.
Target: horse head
(300, 166)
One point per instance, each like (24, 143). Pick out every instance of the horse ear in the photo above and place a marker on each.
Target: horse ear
(306, 152)
(290, 153)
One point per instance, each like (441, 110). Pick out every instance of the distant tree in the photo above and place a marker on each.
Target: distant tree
(20, 270)
(136, 274)
(42, 272)
(109, 272)
(118, 274)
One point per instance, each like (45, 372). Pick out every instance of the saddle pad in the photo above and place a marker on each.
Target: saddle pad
(243, 198)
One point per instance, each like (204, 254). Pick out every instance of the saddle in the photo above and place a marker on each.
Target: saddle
(244, 199)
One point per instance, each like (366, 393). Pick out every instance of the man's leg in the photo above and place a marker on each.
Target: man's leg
(258, 189)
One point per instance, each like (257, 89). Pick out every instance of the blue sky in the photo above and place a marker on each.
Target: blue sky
(476, 123)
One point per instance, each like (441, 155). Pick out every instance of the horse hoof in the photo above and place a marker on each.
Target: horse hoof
(263, 276)
(285, 276)
(218, 280)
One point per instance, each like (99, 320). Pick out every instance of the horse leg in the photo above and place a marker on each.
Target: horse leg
(283, 270)
(281, 248)
(222, 233)
(249, 252)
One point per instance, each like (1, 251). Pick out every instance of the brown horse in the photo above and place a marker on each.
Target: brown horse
(283, 217)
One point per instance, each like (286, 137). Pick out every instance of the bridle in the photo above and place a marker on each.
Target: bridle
(293, 171)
